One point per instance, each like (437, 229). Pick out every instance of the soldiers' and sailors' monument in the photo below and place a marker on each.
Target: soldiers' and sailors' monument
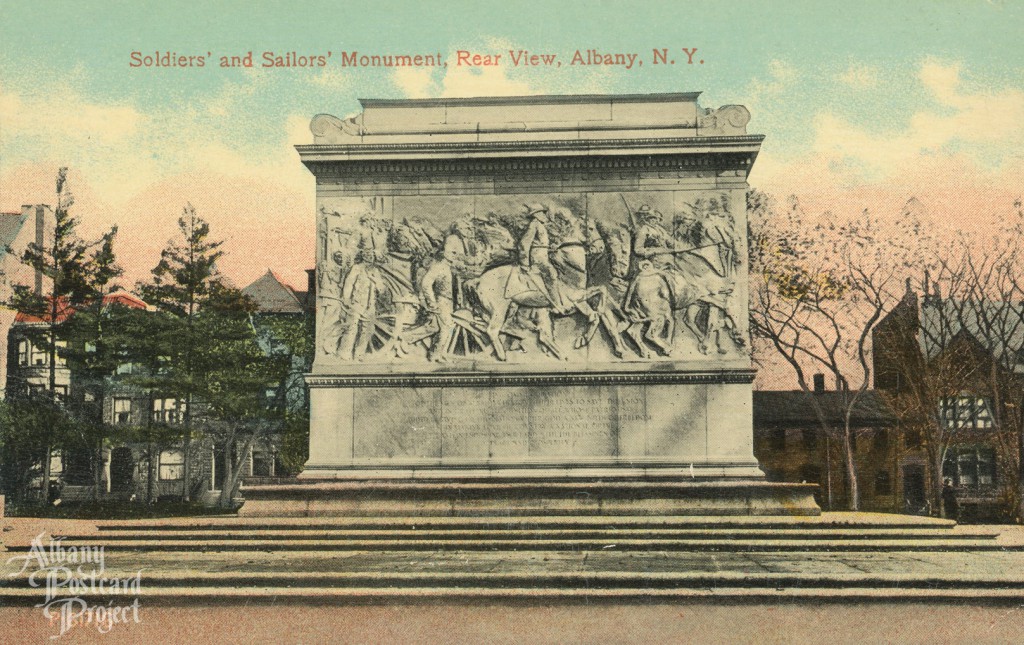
(532, 305)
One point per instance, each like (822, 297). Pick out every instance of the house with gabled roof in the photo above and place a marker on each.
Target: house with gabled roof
(34, 224)
(969, 357)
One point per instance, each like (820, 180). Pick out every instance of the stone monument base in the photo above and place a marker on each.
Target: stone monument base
(472, 496)
(618, 441)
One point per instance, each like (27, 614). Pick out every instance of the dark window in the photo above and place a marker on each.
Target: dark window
(262, 464)
(777, 439)
(880, 443)
(883, 483)
(914, 501)
(970, 466)
(810, 438)
(122, 469)
(912, 436)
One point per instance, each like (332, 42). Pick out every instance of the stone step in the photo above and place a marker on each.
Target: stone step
(305, 596)
(593, 533)
(627, 544)
(325, 587)
(825, 522)
(542, 579)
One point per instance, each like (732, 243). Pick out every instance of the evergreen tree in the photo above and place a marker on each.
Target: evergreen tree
(182, 284)
(70, 282)
(92, 357)
(242, 385)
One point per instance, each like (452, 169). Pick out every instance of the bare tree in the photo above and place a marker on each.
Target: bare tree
(972, 336)
(818, 289)
(927, 362)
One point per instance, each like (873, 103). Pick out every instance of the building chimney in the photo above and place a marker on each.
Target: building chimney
(311, 288)
(819, 383)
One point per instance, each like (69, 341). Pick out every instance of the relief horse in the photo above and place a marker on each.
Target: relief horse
(507, 288)
(669, 282)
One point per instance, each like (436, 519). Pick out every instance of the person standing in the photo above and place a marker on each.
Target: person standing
(436, 290)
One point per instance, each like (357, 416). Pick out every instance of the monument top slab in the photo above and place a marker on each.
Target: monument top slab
(548, 118)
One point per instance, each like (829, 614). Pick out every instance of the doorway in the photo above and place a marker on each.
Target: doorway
(915, 502)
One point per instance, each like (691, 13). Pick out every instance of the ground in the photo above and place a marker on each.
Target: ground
(597, 595)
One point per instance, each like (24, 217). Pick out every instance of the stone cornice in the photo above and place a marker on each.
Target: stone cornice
(748, 144)
(533, 379)
(417, 167)
(534, 99)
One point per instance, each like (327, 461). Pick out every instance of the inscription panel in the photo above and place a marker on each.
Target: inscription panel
(509, 418)
(398, 424)
(568, 422)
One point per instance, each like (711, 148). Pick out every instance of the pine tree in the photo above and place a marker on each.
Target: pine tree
(182, 284)
(64, 262)
(92, 356)
(241, 384)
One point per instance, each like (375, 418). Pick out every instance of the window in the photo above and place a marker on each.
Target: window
(970, 466)
(40, 391)
(32, 355)
(56, 465)
(913, 438)
(122, 411)
(777, 439)
(124, 368)
(168, 410)
(810, 438)
(883, 483)
(162, 364)
(262, 464)
(172, 465)
(964, 412)
(38, 355)
(880, 443)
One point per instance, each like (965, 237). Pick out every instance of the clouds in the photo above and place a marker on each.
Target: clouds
(954, 144)
(859, 76)
(137, 167)
(56, 115)
(499, 80)
(986, 126)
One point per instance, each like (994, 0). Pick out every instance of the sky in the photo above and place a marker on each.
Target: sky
(863, 104)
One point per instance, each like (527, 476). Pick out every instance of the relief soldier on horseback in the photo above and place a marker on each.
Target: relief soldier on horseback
(489, 282)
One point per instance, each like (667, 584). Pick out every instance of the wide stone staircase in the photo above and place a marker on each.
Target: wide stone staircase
(340, 559)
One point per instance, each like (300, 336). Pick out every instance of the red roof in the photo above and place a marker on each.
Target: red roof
(122, 298)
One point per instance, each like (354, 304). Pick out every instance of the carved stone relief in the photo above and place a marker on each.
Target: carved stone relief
(523, 278)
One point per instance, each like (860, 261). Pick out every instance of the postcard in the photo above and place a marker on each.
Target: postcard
(599, 321)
